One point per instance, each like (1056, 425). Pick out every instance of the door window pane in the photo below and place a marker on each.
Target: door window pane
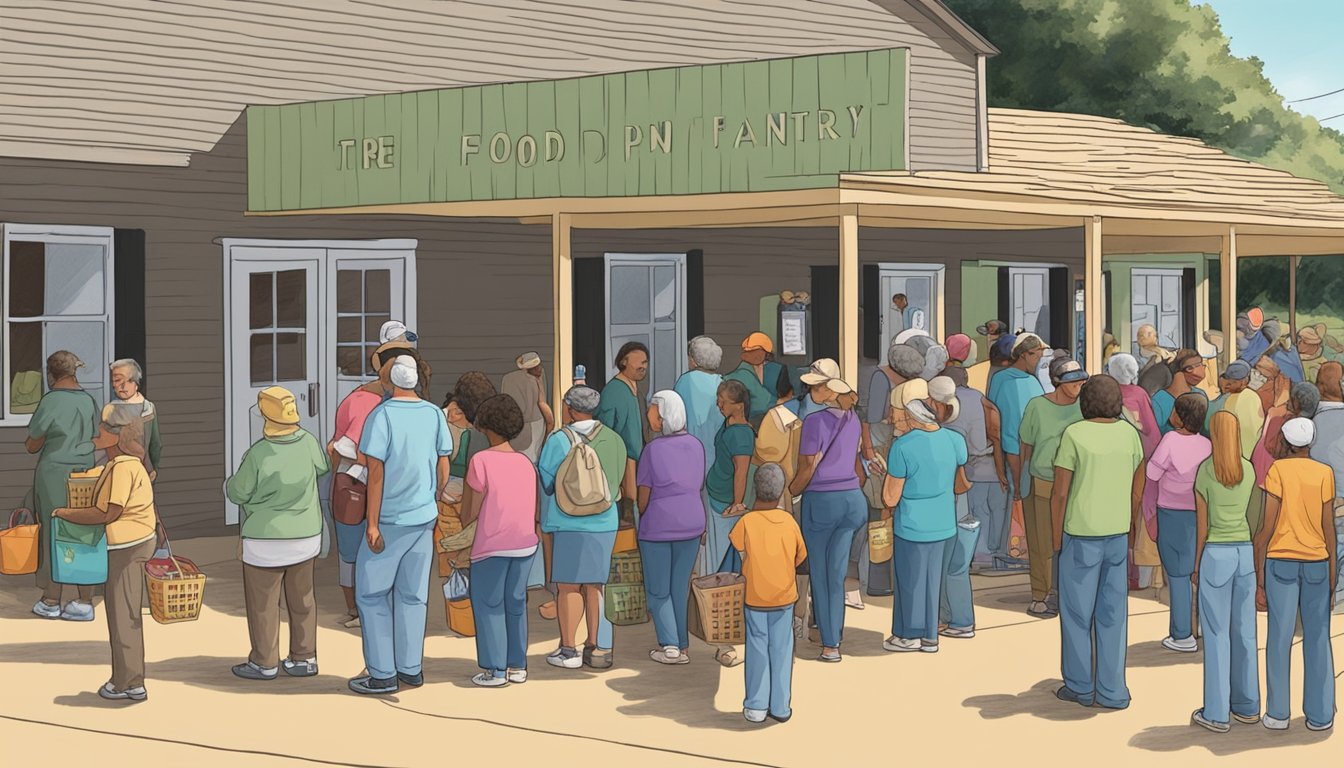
(378, 290)
(27, 279)
(629, 295)
(80, 289)
(373, 324)
(348, 330)
(261, 300)
(662, 367)
(27, 367)
(291, 298)
(348, 361)
(262, 359)
(348, 288)
(368, 360)
(664, 293)
(291, 357)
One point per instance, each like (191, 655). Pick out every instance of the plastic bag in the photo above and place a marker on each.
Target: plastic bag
(458, 585)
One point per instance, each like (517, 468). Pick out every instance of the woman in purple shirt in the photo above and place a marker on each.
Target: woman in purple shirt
(830, 472)
(670, 475)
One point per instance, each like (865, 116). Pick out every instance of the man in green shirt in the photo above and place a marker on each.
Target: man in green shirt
(759, 375)
(1096, 508)
(620, 411)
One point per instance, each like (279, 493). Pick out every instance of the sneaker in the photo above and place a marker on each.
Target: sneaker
(1273, 723)
(47, 610)
(830, 657)
(1188, 645)
(755, 715)
(598, 658)
(1246, 719)
(250, 671)
(1199, 719)
(1314, 727)
(565, 658)
(854, 600)
(900, 645)
(489, 680)
(351, 623)
(347, 616)
(780, 719)
(958, 632)
(137, 693)
(669, 654)
(928, 646)
(1063, 693)
(517, 676)
(411, 681)
(304, 668)
(372, 686)
(77, 610)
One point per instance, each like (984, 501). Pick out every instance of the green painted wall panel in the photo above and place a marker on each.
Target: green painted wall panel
(684, 130)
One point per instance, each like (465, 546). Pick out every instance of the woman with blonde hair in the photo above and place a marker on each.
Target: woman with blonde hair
(1226, 563)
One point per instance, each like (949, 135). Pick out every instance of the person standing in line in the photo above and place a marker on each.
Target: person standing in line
(979, 374)
(1011, 390)
(527, 387)
(1244, 403)
(726, 481)
(351, 470)
(830, 477)
(280, 527)
(1172, 471)
(987, 500)
(500, 496)
(777, 443)
(699, 392)
(1225, 575)
(1269, 381)
(1124, 368)
(620, 411)
(407, 445)
(1098, 487)
(1043, 426)
(956, 603)
(670, 478)
(1329, 449)
(758, 374)
(127, 380)
(772, 547)
(1296, 572)
(1303, 400)
(1149, 350)
(1187, 371)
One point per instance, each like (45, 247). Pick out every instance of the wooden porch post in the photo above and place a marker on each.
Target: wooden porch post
(562, 308)
(1227, 267)
(849, 296)
(1094, 302)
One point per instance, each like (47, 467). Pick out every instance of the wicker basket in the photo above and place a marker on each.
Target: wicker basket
(880, 541)
(626, 568)
(80, 487)
(626, 604)
(719, 600)
(176, 597)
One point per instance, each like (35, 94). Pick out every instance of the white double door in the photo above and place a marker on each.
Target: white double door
(305, 316)
(922, 287)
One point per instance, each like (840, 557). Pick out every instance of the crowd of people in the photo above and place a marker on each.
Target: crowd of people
(1220, 486)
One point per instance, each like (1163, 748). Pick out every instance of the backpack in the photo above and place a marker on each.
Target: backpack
(581, 487)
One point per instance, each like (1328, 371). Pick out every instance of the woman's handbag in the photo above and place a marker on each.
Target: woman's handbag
(880, 541)
(349, 500)
(78, 553)
(19, 544)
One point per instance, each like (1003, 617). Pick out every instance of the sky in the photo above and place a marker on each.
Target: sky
(1300, 43)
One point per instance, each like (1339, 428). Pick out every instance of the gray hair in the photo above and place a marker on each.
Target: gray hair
(705, 353)
(769, 482)
(671, 409)
(583, 400)
(137, 373)
(128, 424)
(935, 360)
(905, 360)
(1124, 368)
(1308, 398)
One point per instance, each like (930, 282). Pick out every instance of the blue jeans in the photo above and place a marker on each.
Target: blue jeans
(667, 585)
(956, 606)
(1094, 610)
(392, 592)
(1176, 548)
(499, 604)
(1292, 587)
(1227, 612)
(830, 519)
(919, 578)
(769, 660)
(988, 503)
(1339, 558)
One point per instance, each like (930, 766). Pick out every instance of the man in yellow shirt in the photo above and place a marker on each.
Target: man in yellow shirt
(1296, 573)
(772, 548)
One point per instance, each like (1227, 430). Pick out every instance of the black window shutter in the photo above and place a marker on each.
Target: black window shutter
(1188, 305)
(872, 311)
(1108, 310)
(1215, 294)
(695, 294)
(590, 321)
(1006, 299)
(128, 339)
(1060, 308)
(826, 312)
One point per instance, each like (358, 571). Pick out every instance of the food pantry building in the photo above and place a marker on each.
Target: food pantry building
(561, 187)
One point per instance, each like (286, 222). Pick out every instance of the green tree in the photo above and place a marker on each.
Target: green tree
(1162, 64)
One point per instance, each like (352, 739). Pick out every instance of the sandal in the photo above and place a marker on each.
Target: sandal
(1041, 610)
(726, 656)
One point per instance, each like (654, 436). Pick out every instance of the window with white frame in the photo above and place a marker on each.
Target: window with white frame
(56, 293)
(363, 304)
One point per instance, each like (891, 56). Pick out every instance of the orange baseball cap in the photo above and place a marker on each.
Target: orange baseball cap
(758, 340)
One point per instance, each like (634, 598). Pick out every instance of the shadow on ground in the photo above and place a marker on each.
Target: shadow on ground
(1038, 701)
(1152, 654)
(1242, 738)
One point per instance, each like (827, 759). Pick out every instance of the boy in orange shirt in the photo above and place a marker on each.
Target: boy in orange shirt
(772, 548)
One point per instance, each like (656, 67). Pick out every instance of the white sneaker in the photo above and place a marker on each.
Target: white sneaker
(1274, 724)
(130, 694)
(669, 654)
(900, 645)
(565, 658)
(488, 680)
(755, 715)
(1313, 727)
(1188, 645)
(956, 632)
(516, 676)
(76, 610)
(47, 610)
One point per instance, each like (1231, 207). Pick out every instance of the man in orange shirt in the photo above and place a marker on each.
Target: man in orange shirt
(772, 548)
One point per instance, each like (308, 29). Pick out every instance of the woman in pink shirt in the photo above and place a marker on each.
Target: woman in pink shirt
(1172, 470)
(500, 496)
(349, 470)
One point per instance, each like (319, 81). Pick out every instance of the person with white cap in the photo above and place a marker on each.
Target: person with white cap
(925, 471)
(527, 387)
(280, 527)
(1296, 576)
(1011, 389)
(956, 605)
(1043, 425)
(830, 476)
(407, 445)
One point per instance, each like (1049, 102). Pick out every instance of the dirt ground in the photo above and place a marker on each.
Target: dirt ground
(986, 701)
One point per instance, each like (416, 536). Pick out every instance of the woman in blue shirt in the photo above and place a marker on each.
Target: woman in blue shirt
(729, 477)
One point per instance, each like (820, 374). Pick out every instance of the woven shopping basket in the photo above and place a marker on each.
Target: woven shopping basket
(82, 487)
(719, 600)
(176, 585)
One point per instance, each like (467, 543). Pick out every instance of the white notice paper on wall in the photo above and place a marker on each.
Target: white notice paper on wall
(792, 333)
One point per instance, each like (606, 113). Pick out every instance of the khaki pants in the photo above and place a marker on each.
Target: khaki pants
(125, 624)
(1040, 536)
(261, 593)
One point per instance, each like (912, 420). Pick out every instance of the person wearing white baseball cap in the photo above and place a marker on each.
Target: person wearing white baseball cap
(527, 386)
(395, 330)
(1296, 575)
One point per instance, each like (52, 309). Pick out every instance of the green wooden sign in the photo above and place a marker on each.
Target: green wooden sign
(754, 126)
